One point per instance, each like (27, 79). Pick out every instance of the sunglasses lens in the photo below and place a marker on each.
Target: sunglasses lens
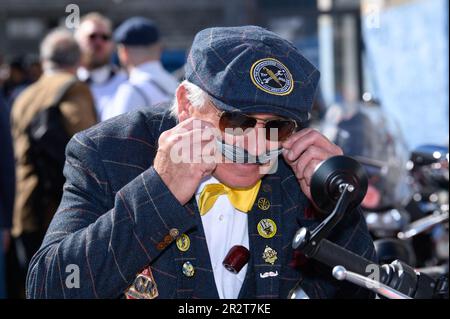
(236, 121)
(284, 129)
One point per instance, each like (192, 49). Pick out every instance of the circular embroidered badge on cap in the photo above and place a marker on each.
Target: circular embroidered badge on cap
(272, 76)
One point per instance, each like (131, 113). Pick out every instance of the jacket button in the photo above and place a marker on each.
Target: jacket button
(168, 239)
(160, 246)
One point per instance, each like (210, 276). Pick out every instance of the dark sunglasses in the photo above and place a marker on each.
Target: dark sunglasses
(101, 36)
(237, 120)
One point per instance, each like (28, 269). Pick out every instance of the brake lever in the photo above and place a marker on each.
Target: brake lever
(340, 273)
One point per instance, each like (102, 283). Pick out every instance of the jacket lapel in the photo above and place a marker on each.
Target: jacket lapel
(289, 210)
(265, 240)
(296, 213)
(202, 284)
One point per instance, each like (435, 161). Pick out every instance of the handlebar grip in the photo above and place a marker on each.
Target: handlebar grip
(331, 255)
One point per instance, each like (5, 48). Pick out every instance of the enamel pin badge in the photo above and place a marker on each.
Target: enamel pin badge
(143, 287)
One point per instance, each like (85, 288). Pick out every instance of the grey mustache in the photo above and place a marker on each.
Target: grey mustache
(239, 155)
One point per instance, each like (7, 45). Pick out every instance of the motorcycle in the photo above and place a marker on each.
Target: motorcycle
(406, 204)
(429, 230)
(337, 186)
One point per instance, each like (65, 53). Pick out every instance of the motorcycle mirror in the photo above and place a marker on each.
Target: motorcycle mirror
(331, 176)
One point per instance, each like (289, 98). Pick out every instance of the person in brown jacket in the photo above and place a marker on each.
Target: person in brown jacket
(60, 56)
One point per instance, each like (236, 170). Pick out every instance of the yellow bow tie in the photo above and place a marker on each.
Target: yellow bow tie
(241, 199)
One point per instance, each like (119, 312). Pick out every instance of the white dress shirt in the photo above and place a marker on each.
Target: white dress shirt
(224, 228)
(148, 84)
(103, 82)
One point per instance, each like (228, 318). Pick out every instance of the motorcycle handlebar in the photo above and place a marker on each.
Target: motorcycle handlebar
(331, 254)
(399, 276)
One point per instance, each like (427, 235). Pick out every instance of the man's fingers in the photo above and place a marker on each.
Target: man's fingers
(294, 137)
(309, 171)
(313, 138)
(304, 151)
(191, 137)
(208, 153)
(194, 123)
(208, 169)
(312, 154)
(209, 134)
(186, 124)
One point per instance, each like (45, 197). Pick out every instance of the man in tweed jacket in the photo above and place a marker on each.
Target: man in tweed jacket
(131, 221)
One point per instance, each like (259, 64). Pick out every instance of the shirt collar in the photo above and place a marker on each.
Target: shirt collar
(206, 181)
(144, 69)
(97, 76)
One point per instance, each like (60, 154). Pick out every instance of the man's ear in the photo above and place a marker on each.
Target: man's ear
(122, 54)
(184, 106)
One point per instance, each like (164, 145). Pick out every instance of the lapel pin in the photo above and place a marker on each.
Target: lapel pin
(143, 287)
(188, 269)
(174, 232)
(269, 255)
(183, 242)
(267, 228)
(263, 203)
(268, 274)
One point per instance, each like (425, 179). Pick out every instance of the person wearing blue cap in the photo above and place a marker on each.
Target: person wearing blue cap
(139, 51)
(203, 200)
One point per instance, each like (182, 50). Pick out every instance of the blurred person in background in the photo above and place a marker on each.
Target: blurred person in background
(34, 71)
(139, 51)
(57, 89)
(16, 81)
(7, 188)
(97, 70)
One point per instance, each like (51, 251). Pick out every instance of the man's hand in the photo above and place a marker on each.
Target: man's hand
(185, 155)
(304, 150)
